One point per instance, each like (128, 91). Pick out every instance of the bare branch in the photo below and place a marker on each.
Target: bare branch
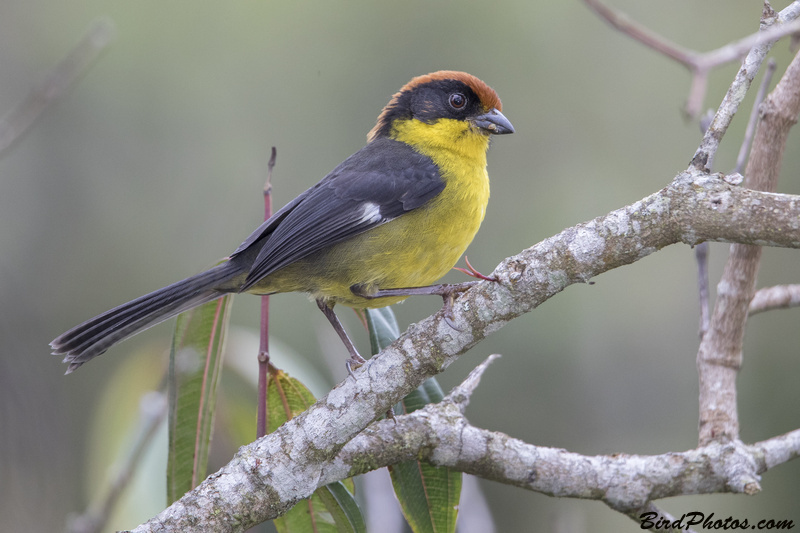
(754, 114)
(444, 437)
(701, 252)
(152, 410)
(56, 82)
(461, 394)
(736, 50)
(649, 38)
(441, 434)
(777, 297)
(701, 257)
(774, 27)
(777, 450)
(741, 83)
(720, 355)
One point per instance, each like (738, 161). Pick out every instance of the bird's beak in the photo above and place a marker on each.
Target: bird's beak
(493, 122)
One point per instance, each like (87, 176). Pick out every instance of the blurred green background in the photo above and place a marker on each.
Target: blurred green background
(151, 167)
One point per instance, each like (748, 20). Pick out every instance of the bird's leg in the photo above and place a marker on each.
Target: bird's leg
(355, 360)
(446, 290)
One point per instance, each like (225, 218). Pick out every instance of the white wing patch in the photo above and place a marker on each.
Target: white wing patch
(372, 213)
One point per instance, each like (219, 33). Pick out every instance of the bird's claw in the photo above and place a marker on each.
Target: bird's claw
(354, 363)
(471, 271)
(448, 293)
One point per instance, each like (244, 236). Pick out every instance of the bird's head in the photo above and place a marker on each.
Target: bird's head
(444, 106)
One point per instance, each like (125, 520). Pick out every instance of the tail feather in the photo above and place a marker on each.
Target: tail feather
(90, 339)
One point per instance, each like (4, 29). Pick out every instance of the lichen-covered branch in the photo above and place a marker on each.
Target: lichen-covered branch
(440, 434)
(329, 441)
(268, 476)
(741, 83)
(720, 355)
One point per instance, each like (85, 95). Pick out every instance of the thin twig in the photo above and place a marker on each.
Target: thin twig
(701, 253)
(263, 350)
(777, 297)
(644, 35)
(736, 50)
(56, 82)
(754, 114)
(777, 450)
(701, 258)
(152, 410)
(741, 83)
(461, 394)
(700, 64)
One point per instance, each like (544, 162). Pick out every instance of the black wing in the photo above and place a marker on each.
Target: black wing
(380, 182)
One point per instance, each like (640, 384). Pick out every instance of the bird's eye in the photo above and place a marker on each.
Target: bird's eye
(458, 100)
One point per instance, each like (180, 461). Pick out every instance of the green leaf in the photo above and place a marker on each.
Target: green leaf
(428, 392)
(428, 495)
(383, 328)
(332, 508)
(286, 398)
(313, 516)
(195, 363)
(343, 508)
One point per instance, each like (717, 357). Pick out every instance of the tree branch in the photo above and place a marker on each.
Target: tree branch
(268, 476)
(754, 116)
(741, 83)
(773, 28)
(719, 357)
(329, 442)
(56, 82)
(777, 297)
(441, 434)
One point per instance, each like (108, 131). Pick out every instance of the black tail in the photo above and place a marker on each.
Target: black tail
(90, 339)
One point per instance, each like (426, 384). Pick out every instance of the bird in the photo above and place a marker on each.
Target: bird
(386, 223)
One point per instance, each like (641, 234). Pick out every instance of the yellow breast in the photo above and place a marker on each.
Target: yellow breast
(417, 248)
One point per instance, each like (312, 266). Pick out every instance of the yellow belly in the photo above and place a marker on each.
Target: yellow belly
(415, 249)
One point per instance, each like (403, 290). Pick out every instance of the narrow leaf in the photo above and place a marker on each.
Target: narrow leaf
(286, 398)
(428, 495)
(343, 508)
(383, 328)
(429, 392)
(195, 362)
